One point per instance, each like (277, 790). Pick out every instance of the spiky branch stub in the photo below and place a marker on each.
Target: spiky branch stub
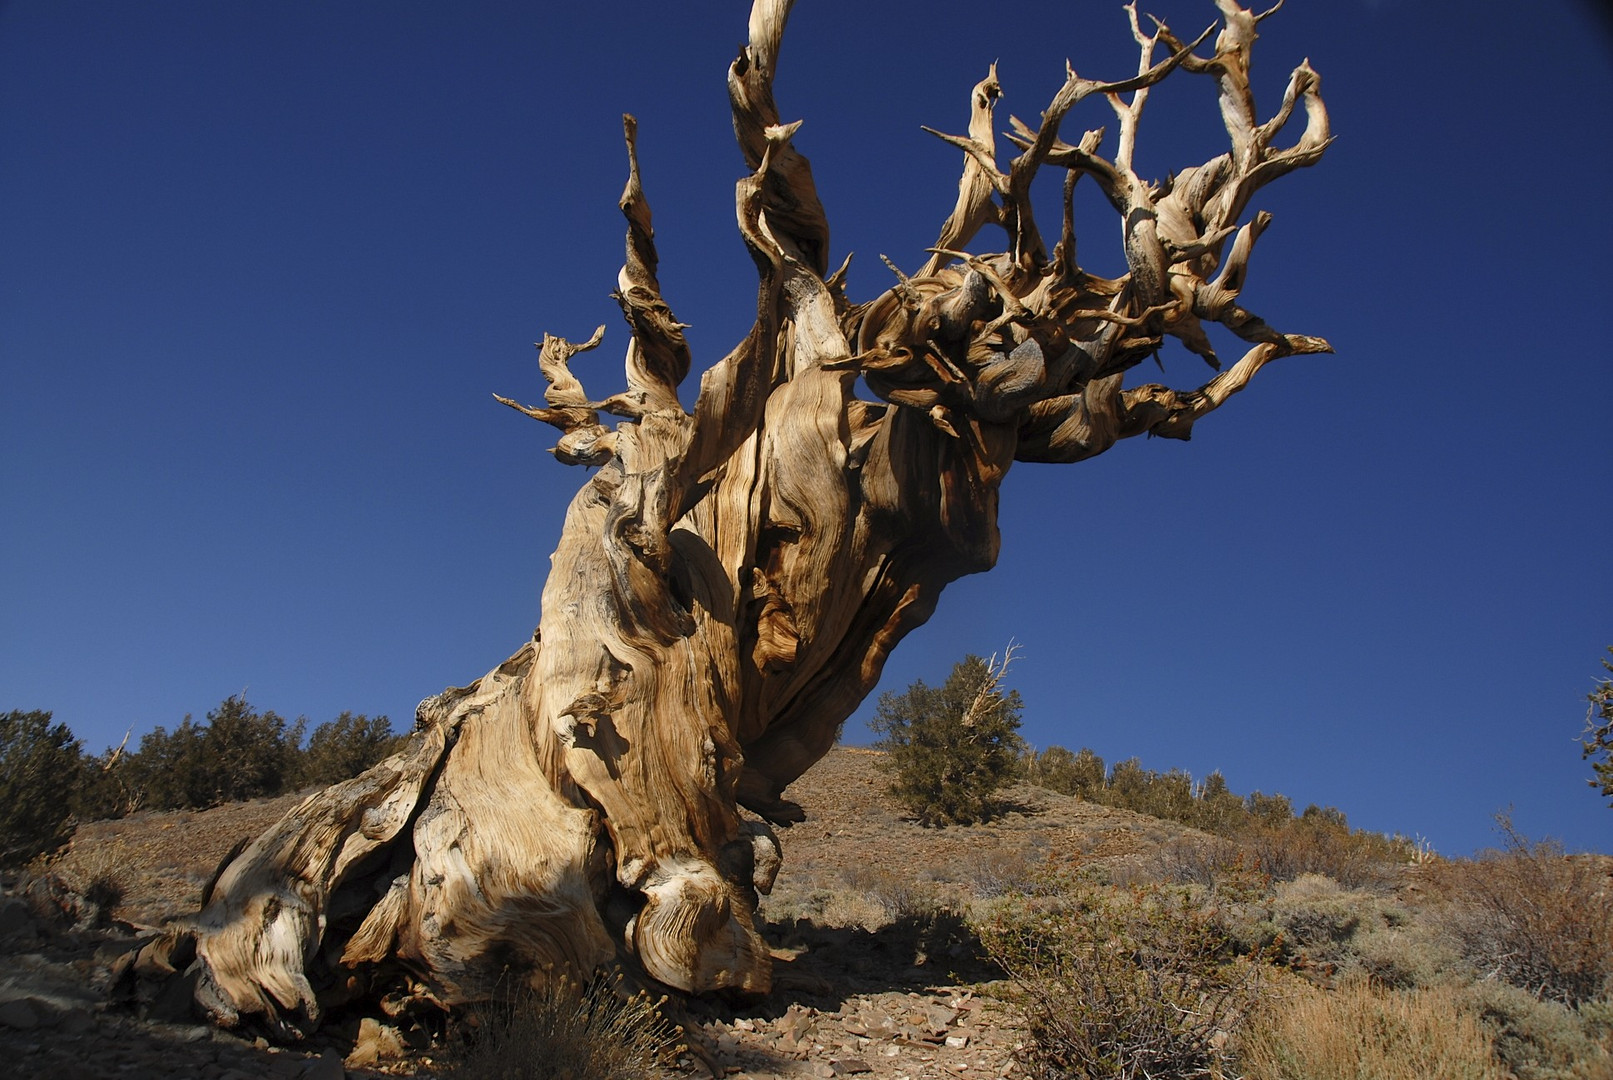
(731, 579)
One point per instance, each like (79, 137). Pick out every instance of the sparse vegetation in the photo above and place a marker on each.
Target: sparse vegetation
(569, 1031)
(951, 750)
(1120, 983)
(1264, 827)
(1303, 977)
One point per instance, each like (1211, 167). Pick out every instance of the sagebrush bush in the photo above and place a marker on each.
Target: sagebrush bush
(1534, 917)
(1352, 858)
(1545, 1040)
(1121, 984)
(568, 1030)
(1359, 1031)
(891, 895)
(1325, 846)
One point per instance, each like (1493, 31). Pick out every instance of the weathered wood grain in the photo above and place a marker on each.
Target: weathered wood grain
(732, 578)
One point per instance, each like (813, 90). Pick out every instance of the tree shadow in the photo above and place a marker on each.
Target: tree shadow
(819, 968)
(822, 966)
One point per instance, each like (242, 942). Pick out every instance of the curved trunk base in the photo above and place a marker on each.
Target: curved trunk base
(442, 870)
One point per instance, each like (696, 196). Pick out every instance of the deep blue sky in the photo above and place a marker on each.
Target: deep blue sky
(262, 265)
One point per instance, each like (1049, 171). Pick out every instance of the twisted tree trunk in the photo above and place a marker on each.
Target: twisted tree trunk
(730, 581)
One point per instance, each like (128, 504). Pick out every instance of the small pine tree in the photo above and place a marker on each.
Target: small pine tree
(40, 766)
(1598, 740)
(251, 753)
(238, 754)
(342, 748)
(1219, 810)
(1088, 773)
(950, 750)
(1274, 811)
(1052, 769)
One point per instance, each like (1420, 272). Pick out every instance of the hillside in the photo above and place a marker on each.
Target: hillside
(855, 980)
(876, 974)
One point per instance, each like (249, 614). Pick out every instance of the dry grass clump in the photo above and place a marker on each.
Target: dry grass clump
(1120, 984)
(1358, 1031)
(569, 1031)
(97, 873)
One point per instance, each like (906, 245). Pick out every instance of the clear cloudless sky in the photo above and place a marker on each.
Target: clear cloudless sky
(263, 264)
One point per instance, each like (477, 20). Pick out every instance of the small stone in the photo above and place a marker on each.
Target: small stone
(939, 1018)
(957, 1042)
(850, 1067)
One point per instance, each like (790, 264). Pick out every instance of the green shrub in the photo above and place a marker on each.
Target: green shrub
(568, 1031)
(950, 750)
(40, 767)
(104, 787)
(1119, 984)
(1218, 810)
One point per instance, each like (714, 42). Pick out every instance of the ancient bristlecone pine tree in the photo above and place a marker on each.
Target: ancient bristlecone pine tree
(730, 579)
